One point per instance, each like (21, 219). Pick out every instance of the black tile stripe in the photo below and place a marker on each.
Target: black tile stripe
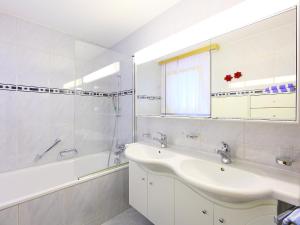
(148, 97)
(8, 87)
(241, 93)
(57, 91)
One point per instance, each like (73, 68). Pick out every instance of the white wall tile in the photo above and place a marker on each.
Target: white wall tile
(64, 45)
(9, 216)
(8, 64)
(99, 199)
(8, 130)
(253, 141)
(46, 210)
(33, 55)
(34, 67)
(81, 203)
(63, 71)
(61, 126)
(33, 121)
(35, 36)
(8, 28)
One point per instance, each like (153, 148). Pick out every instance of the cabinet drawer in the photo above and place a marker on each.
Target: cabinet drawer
(262, 215)
(275, 100)
(274, 113)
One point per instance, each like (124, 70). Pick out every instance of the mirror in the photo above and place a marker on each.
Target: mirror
(260, 63)
(248, 74)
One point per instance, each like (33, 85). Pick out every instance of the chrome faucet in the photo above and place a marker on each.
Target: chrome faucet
(224, 151)
(163, 140)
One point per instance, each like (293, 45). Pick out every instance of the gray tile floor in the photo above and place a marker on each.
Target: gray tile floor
(128, 217)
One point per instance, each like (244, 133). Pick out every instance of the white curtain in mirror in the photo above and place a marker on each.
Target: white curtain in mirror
(188, 86)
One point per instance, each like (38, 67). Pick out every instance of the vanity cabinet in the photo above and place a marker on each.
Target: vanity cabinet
(138, 188)
(191, 208)
(259, 215)
(160, 199)
(164, 200)
(152, 195)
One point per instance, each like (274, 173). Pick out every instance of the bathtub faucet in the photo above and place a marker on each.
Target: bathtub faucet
(120, 149)
(39, 156)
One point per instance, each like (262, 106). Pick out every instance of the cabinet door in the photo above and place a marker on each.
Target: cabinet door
(138, 188)
(230, 107)
(274, 113)
(191, 208)
(274, 101)
(160, 199)
(261, 215)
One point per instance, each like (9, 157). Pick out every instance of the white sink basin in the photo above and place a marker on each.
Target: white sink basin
(236, 182)
(224, 182)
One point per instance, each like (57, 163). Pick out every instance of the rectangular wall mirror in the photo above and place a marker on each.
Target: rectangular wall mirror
(247, 74)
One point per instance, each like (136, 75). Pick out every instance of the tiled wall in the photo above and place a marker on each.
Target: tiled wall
(89, 203)
(253, 141)
(32, 55)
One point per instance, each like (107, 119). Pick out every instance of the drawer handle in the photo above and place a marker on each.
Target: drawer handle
(150, 183)
(204, 212)
(143, 178)
(221, 220)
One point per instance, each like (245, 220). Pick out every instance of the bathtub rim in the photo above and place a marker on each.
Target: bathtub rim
(56, 188)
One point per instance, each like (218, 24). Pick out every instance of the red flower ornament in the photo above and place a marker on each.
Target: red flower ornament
(228, 78)
(237, 75)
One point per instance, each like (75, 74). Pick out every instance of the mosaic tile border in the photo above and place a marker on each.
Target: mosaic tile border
(237, 93)
(148, 97)
(251, 92)
(47, 90)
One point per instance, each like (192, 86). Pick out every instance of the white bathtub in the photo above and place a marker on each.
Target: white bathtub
(29, 183)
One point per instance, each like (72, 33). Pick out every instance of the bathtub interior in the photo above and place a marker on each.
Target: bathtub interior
(29, 183)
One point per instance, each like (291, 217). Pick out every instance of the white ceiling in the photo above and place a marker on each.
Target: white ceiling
(105, 22)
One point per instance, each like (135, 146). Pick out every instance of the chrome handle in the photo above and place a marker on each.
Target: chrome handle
(53, 145)
(63, 153)
(221, 220)
(39, 156)
(204, 212)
